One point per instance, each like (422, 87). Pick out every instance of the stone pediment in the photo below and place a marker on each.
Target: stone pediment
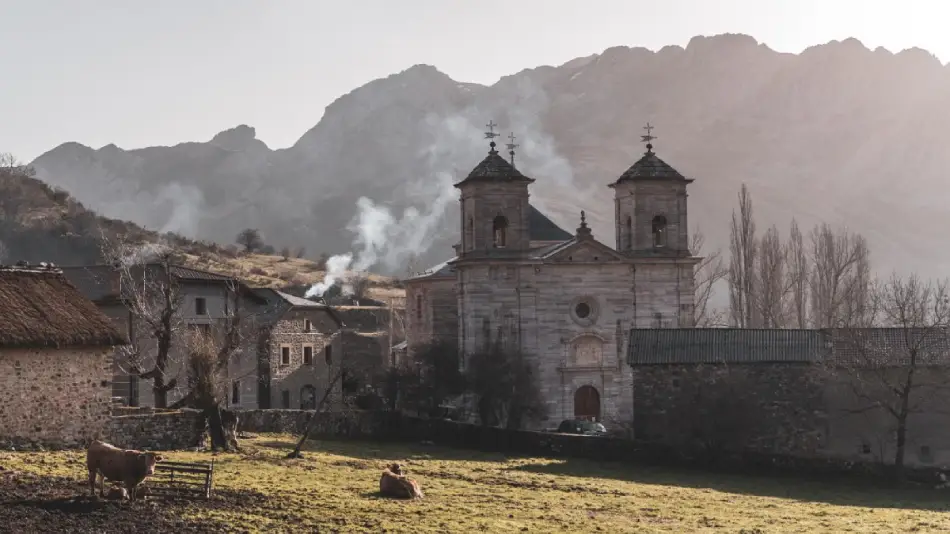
(584, 251)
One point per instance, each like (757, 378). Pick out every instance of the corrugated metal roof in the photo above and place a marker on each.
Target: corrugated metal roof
(670, 346)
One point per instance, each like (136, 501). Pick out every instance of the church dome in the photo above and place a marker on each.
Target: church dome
(651, 167)
(494, 168)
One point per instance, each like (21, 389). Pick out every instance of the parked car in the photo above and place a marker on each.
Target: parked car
(582, 427)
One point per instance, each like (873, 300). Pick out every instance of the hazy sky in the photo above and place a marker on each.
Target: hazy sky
(139, 73)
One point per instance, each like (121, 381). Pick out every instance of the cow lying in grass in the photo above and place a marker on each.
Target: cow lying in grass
(394, 484)
(119, 465)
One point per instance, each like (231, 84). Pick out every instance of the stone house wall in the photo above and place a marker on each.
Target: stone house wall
(286, 381)
(54, 397)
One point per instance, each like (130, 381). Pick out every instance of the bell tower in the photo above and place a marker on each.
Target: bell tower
(650, 207)
(494, 202)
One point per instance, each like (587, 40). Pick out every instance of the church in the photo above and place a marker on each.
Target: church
(565, 300)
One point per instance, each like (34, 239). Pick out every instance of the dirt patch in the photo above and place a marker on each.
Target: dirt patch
(30, 503)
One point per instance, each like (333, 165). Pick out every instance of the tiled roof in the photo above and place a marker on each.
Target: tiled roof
(651, 167)
(494, 168)
(873, 347)
(671, 346)
(541, 228)
(277, 303)
(187, 273)
(442, 270)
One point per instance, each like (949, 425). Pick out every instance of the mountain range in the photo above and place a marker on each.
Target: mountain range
(838, 133)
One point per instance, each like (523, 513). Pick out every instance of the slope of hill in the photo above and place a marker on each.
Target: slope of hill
(42, 223)
(837, 133)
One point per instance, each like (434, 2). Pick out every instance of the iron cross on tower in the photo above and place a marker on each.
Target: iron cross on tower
(511, 146)
(490, 134)
(648, 138)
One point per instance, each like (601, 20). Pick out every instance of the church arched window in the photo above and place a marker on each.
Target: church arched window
(500, 231)
(659, 231)
(628, 234)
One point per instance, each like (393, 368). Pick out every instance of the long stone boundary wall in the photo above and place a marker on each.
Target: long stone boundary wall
(156, 430)
(394, 426)
(183, 429)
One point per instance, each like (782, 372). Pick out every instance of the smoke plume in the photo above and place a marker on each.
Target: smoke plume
(457, 144)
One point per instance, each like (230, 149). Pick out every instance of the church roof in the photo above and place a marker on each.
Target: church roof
(494, 168)
(651, 167)
(541, 228)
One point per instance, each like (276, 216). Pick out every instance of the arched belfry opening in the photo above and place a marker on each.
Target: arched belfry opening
(659, 231)
(500, 232)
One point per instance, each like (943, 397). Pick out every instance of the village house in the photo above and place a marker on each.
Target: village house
(827, 393)
(55, 360)
(563, 301)
(298, 347)
(202, 301)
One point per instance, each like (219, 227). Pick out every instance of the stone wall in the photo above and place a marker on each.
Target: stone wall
(54, 397)
(776, 408)
(432, 311)
(156, 430)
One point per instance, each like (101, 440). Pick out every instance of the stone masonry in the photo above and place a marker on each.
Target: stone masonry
(54, 397)
(288, 381)
(770, 408)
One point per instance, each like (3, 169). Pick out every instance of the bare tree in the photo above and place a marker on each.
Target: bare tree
(153, 296)
(3, 253)
(772, 285)
(710, 270)
(797, 275)
(250, 239)
(742, 277)
(839, 281)
(300, 252)
(899, 370)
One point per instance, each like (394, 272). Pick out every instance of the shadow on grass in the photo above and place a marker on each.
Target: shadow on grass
(831, 490)
(386, 450)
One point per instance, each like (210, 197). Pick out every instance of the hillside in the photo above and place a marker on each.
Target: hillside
(838, 133)
(43, 223)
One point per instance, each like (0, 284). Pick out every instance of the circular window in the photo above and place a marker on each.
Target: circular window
(582, 310)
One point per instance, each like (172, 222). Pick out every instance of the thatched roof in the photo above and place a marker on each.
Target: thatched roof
(41, 309)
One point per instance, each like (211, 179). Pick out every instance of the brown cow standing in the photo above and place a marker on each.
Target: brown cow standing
(127, 466)
(394, 484)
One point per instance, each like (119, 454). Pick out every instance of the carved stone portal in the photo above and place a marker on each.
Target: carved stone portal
(588, 351)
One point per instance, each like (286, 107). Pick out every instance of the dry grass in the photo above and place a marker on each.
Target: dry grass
(261, 270)
(335, 489)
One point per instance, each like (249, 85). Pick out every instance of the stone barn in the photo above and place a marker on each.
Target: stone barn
(55, 360)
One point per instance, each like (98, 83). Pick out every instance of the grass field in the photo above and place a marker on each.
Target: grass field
(334, 489)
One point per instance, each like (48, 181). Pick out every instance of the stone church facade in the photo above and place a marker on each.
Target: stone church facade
(566, 301)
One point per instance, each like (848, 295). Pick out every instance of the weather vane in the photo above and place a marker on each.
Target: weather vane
(511, 146)
(490, 134)
(649, 137)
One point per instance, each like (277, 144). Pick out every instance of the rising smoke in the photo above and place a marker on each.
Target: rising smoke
(458, 144)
